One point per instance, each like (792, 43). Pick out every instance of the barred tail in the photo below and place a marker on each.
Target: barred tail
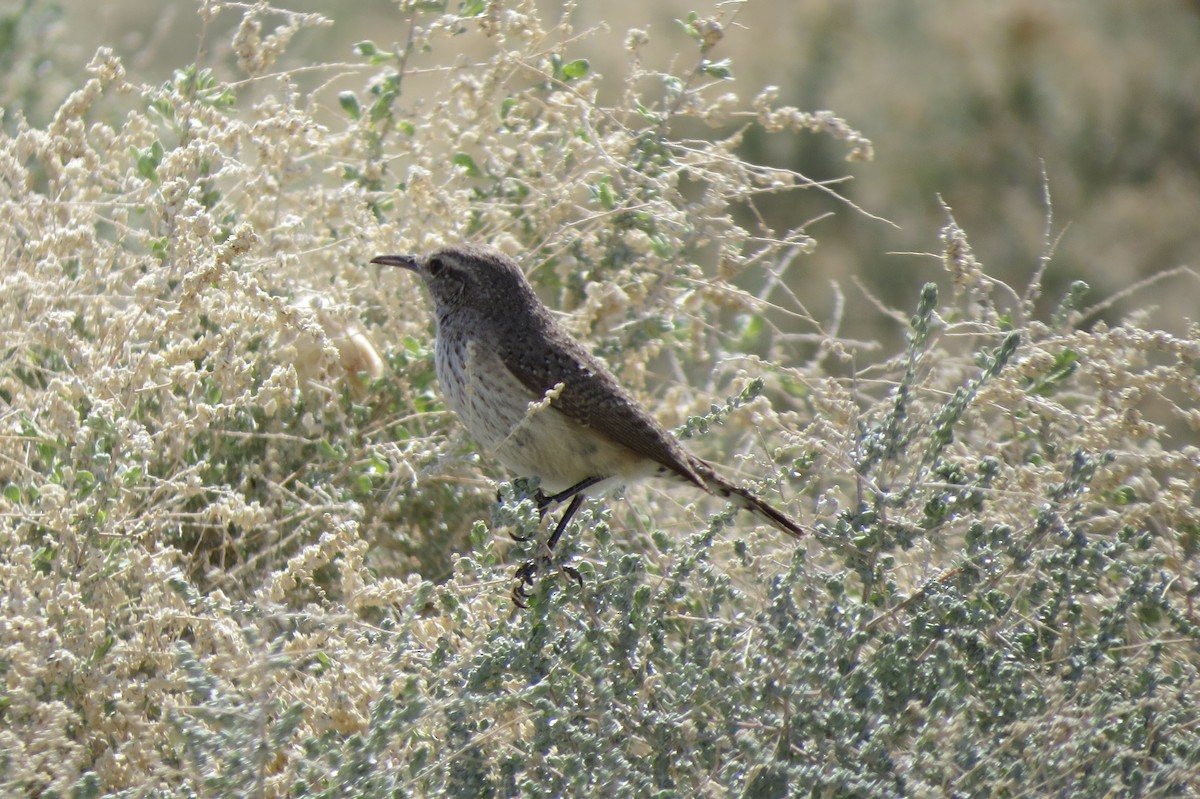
(718, 486)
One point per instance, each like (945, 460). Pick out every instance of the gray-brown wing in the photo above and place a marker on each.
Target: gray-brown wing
(592, 397)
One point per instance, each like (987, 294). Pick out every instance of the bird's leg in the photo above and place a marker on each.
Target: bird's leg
(544, 502)
(576, 501)
(528, 570)
(570, 571)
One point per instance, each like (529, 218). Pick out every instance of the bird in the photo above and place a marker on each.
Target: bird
(534, 397)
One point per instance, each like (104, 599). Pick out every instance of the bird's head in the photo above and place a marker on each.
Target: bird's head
(469, 277)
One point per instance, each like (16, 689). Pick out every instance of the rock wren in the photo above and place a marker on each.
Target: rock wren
(534, 397)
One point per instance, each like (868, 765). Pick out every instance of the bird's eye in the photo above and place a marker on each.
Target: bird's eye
(436, 265)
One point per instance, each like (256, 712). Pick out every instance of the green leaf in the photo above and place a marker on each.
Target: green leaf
(85, 481)
(148, 160)
(132, 475)
(1065, 364)
(603, 193)
(381, 109)
(43, 559)
(323, 662)
(286, 725)
(752, 329)
(661, 246)
(645, 113)
(471, 8)
(1125, 495)
(717, 69)
(330, 451)
(349, 103)
(1070, 301)
(481, 538)
(102, 649)
(466, 163)
(366, 48)
(689, 25)
(576, 69)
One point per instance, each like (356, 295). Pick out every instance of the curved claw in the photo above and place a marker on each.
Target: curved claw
(526, 572)
(573, 573)
(526, 575)
(524, 578)
(520, 539)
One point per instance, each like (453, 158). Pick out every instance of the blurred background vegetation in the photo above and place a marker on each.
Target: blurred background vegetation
(969, 100)
(245, 552)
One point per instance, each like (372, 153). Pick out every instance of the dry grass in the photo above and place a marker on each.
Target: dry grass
(246, 551)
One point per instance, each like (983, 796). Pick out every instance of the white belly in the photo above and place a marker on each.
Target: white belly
(523, 431)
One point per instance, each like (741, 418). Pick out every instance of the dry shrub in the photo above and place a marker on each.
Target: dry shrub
(247, 552)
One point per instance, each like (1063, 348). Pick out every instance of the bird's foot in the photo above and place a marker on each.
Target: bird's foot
(525, 577)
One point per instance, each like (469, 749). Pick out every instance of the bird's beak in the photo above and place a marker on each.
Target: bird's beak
(403, 261)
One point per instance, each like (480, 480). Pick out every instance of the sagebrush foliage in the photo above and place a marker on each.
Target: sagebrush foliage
(245, 551)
